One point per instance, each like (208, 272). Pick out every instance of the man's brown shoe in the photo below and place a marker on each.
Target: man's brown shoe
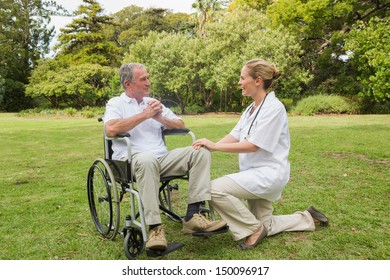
(199, 223)
(318, 216)
(156, 239)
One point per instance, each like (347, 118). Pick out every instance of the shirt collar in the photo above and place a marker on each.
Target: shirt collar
(271, 94)
(130, 99)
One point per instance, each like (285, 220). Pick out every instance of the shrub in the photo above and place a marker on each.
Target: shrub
(92, 112)
(86, 112)
(70, 112)
(287, 102)
(324, 104)
(190, 109)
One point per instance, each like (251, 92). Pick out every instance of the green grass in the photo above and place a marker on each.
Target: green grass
(340, 164)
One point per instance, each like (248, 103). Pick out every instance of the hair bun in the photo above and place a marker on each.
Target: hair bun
(276, 75)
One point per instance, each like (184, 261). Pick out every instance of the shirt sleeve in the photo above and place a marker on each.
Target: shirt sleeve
(268, 129)
(167, 113)
(112, 110)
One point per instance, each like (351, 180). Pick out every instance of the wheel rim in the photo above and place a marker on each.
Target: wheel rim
(103, 199)
(134, 243)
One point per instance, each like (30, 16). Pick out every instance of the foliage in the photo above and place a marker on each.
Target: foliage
(323, 27)
(253, 4)
(370, 47)
(82, 73)
(73, 86)
(206, 10)
(321, 47)
(287, 102)
(204, 71)
(171, 60)
(132, 23)
(83, 40)
(315, 21)
(190, 109)
(85, 112)
(252, 38)
(323, 104)
(24, 39)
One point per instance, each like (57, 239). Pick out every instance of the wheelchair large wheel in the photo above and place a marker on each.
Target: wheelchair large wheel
(133, 243)
(103, 199)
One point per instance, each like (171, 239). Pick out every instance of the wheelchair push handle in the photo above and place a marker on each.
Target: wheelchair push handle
(122, 135)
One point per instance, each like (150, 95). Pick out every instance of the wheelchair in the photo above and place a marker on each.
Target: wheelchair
(109, 181)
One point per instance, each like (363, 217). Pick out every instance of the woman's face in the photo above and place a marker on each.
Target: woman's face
(247, 83)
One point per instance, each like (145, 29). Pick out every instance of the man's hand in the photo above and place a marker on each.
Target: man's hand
(154, 109)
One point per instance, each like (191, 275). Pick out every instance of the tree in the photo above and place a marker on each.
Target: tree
(84, 41)
(171, 61)
(133, 23)
(323, 27)
(73, 86)
(243, 35)
(206, 10)
(83, 71)
(260, 5)
(206, 70)
(369, 44)
(24, 39)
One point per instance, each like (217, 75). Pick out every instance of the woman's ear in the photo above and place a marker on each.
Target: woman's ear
(259, 81)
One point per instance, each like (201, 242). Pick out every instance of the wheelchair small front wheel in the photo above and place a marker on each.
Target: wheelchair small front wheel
(133, 243)
(103, 199)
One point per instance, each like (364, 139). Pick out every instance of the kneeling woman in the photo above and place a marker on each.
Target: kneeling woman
(262, 140)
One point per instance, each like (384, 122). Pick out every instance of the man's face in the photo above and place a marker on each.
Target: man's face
(140, 87)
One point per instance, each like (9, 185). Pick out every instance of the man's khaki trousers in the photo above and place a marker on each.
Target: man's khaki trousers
(147, 170)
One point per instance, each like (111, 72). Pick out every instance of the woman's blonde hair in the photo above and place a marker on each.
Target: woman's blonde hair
(259, 68)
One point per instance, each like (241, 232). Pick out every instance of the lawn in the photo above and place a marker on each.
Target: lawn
(340, 164)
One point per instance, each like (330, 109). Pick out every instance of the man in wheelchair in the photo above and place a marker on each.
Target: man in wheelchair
(142, 117)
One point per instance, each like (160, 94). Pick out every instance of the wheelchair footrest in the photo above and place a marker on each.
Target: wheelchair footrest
(211, 233)
(173, 246)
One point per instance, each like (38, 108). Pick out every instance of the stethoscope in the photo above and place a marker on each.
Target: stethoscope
(257, 113)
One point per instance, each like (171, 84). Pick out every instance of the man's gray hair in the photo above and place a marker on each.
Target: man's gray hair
(126, 72)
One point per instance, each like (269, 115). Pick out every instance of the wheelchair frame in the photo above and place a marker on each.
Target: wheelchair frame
(110, 180)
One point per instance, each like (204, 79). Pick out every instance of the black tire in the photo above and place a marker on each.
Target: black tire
(103, 199)
(134, 243)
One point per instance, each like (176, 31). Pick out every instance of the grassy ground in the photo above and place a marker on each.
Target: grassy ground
(340, 164)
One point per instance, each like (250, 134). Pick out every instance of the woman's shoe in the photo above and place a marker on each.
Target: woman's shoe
(318, 216)
(263, 234)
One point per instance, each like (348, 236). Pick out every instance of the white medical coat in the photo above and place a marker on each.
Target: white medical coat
(265, 172)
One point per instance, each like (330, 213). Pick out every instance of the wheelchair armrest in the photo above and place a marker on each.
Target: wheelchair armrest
(125, 137)
(119, 136)
(176, 131)
(122, 135)
(179, 131)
